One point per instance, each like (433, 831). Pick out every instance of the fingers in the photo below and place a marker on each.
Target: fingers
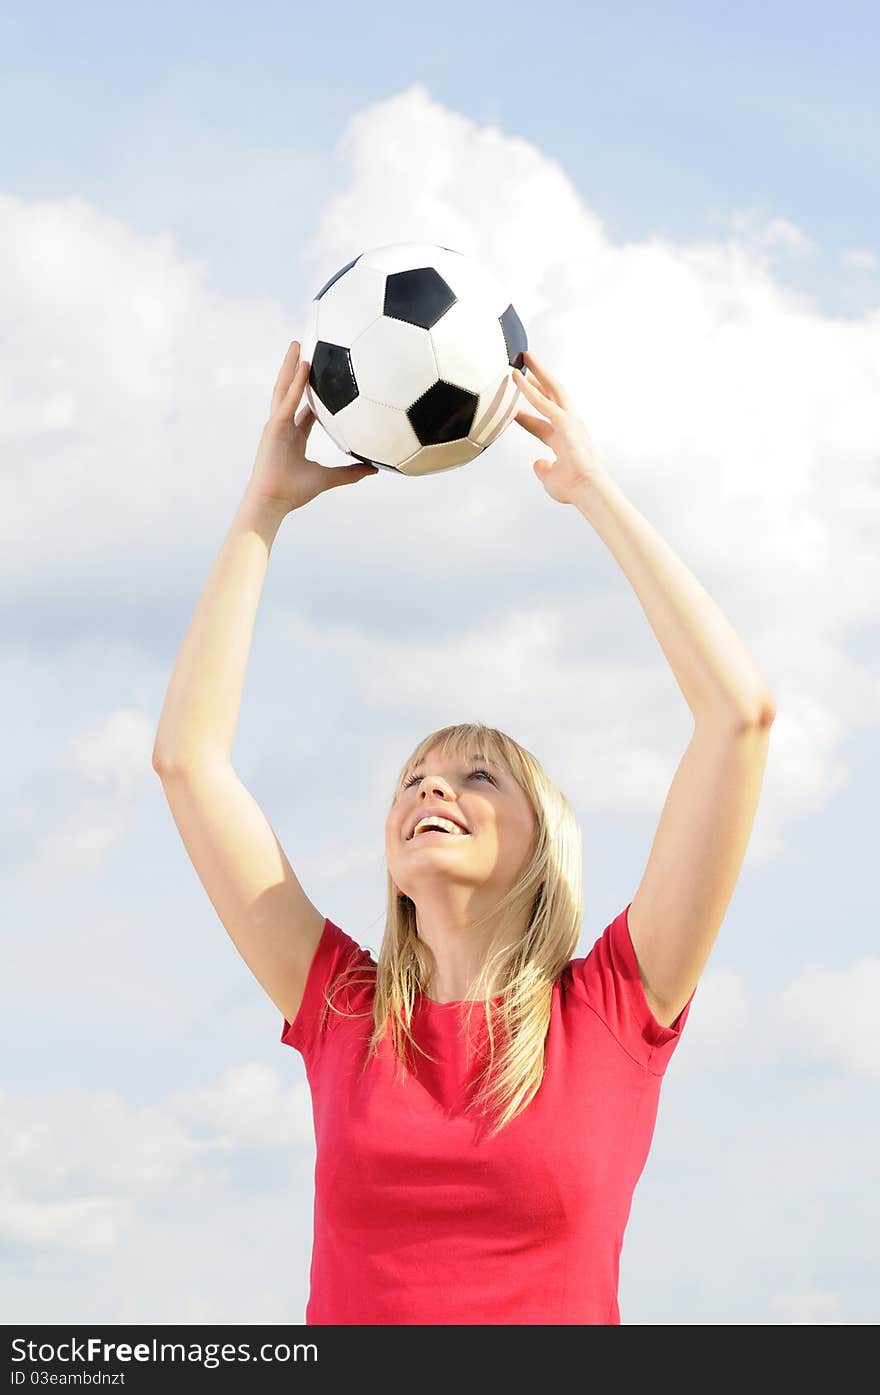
(349, 474)
(306, 419)
(537, 425)
(551, 386)
(287, 374)
(290, 400)
(536, 396)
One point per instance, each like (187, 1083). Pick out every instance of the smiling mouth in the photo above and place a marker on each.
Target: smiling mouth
(435, 833)
(426, 832)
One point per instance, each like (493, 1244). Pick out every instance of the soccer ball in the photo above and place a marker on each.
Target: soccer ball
(410, 349)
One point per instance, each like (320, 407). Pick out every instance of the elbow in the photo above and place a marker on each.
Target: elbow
(162, 762)
(192, 758)
(760, 712)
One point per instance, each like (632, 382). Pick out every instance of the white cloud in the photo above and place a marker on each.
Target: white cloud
(717, 1032)
(116, 754)
(723, 402)
(248, 1105)
(108, 768)
(88, 1226)
(821, 1016)
(830, 1015)
(106, 1141)
(860, 259)
(766, 235)
(76, 1166)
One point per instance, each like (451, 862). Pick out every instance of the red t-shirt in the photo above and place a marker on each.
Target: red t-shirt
(419, 1216)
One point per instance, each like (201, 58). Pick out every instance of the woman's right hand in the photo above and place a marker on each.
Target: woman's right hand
(282, 472)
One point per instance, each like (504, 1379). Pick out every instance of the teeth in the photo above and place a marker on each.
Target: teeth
(433, 820)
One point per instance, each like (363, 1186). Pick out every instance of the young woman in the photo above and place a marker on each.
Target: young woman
(484, 1102)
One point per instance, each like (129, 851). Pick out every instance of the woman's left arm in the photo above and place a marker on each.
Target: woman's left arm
(701, 839)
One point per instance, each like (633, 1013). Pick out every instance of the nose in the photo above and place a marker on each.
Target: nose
(434, 784)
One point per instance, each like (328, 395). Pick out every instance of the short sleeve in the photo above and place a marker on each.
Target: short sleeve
(608, 980)
(335, 951)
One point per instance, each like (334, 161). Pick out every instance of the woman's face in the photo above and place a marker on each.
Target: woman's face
(477, 793)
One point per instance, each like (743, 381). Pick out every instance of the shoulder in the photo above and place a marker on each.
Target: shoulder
(608, 980)
(342, 975)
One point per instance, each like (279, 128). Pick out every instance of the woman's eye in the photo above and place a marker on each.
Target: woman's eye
(479, 771)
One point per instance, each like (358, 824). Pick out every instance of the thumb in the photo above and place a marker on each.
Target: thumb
(350, 474)
(542, 469)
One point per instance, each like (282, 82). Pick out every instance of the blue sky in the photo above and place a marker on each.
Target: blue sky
(671, 116)
(683, 202)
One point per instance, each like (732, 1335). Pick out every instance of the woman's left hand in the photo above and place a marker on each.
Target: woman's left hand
(577, 465)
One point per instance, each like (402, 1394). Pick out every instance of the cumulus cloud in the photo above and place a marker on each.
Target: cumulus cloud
(770, 236)
(860, 259)
(743, 423)
(719, 1023)
(829, 1015)
(87, 1226)
(103, 771)
(248, 1105)
(76, 1166)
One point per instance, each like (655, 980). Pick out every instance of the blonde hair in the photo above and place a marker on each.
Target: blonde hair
(549, 888)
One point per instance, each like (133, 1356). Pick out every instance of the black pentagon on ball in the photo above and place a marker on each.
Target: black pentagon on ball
(339, 273)
(514, 336)
(443, 413)
(419, 297)
(331, 376)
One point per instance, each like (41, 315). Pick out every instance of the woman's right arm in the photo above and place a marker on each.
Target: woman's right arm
(200, 712)
(241, 864)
